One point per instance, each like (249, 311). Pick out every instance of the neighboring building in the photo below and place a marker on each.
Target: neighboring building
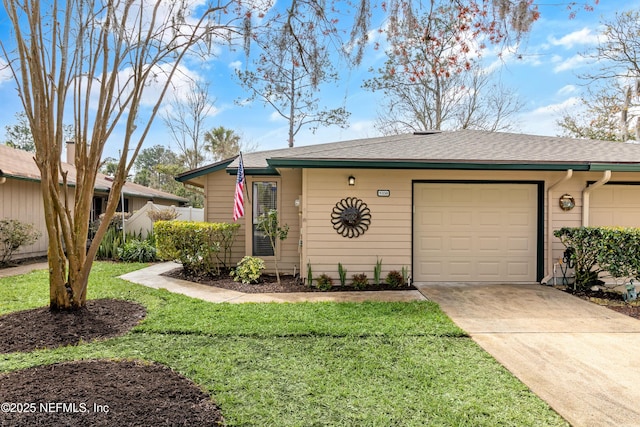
(450, 206)
(21, 198)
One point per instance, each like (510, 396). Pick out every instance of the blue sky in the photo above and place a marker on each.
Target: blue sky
(545, 80)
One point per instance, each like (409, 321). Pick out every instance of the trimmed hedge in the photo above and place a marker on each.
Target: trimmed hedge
(593, 250)
(201, 247)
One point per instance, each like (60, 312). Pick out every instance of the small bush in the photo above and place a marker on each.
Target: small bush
(13, 235)
(166, 214)
(394, 279)
(248, 270)
(324, 282)
(137, 251)
(359, 281)
(203, 248)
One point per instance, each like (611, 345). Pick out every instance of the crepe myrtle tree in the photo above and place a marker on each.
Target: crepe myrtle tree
(101, 63)
(106, 64)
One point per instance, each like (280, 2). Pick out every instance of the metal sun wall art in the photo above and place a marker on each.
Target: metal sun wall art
(350, 217)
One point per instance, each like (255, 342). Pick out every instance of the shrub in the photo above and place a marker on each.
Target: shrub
(324, 282)
(13, 235)
(248, 270)
(201, 247)
(359, 281)
(593, 250)
(394, 279)
(166, 214)
(137, 251)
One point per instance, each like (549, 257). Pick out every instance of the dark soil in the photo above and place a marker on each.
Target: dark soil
(269, 284)
(98, 392)
(611, 300)
(29, 330)
(104, 393)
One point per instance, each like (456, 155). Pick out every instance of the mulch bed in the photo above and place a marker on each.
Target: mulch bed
(612, 300)
(42, 328)
(269, 284)
(104, 393)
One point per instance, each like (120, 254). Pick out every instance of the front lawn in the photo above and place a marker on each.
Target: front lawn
(307, 364)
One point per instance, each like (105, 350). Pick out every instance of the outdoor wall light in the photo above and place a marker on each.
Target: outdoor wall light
(351, 180)
(567, 202)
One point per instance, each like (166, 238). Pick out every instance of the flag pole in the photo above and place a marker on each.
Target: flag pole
(244, 178)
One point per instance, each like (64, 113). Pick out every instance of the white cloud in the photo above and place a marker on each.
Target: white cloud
(274, 117)
(542, 120)
(235, 65)
(572, 63)
(567, 90)
(578, 38)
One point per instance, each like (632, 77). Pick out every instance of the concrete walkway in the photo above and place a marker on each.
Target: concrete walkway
(151, 277)
(23, 269)
(582, 359)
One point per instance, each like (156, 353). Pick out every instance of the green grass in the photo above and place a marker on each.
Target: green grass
(308, 364)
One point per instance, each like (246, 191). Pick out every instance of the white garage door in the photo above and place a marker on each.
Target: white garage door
(615, 205)
(475, 232)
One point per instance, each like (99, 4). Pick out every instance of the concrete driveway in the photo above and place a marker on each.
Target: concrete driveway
(582, 359)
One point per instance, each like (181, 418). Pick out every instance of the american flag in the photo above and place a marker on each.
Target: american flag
(238, 199)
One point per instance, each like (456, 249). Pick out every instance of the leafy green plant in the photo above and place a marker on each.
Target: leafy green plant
(13, 235)
(359, 281)
(324, 282)
(394, 279)
(593, 250)
(201, 247)
(270, 225)
(137, 251)
(248, 270)
(377, 271)
(110, 243)
(309, 275)
(342, 273)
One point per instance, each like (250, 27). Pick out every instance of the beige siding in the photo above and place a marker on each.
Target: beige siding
(389, 236)
(22, 200)
(218, 206)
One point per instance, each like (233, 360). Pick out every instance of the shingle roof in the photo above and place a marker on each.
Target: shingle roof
(20, 164)
(464, 147)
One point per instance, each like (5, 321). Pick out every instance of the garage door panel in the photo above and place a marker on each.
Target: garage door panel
(615, 205)
(487, 232)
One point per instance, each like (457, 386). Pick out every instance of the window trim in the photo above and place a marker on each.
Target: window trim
(278, 182)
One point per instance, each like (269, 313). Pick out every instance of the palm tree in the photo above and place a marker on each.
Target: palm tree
(222, 143)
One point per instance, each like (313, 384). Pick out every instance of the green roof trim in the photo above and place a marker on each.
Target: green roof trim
(195, 173)
(255, 171)
(404, 164)
(616, 167)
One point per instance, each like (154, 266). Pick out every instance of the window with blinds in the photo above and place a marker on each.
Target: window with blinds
(265, 198)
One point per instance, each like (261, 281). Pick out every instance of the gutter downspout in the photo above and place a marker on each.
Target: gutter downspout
(586, 193)
(550, 224)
